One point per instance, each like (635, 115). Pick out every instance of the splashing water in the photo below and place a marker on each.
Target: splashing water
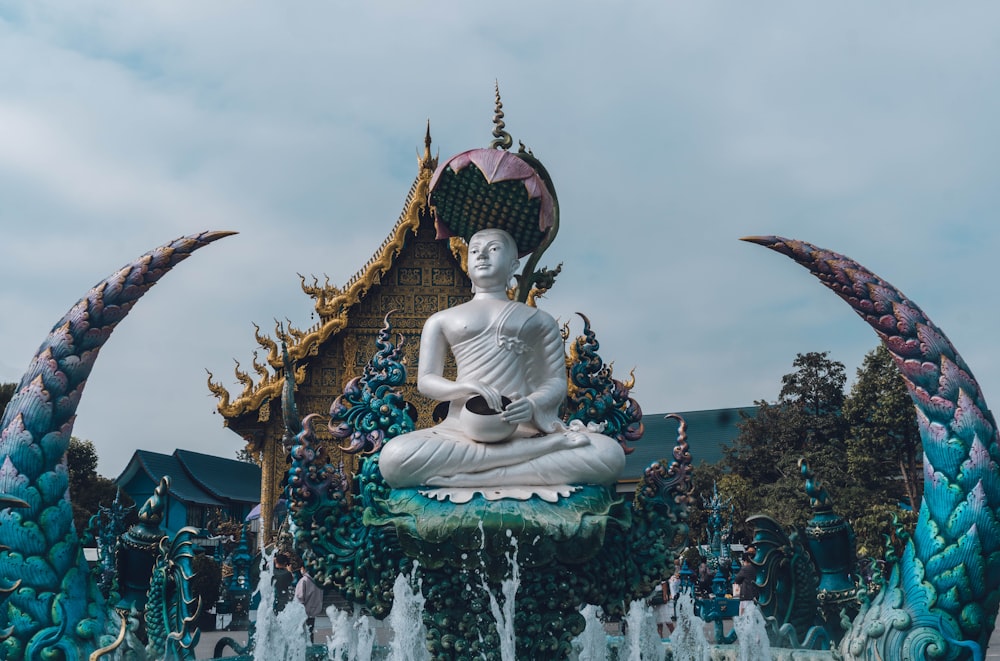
(504, 614)
(642, 642)
(282, 635)
(407, 620)
(688, 641)
(751, 633)
(353, 635)
(592, 643)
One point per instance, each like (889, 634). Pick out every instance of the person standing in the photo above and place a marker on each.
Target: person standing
(746, 579)
(662, 608)
(281, 579)
(674, 583)
(310, 596)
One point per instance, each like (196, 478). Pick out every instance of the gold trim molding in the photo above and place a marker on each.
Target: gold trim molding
(331, 304)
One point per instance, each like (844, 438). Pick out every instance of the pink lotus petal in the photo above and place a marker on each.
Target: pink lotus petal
(498, 165)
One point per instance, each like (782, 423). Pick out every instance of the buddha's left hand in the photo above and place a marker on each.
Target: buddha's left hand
(519, 411)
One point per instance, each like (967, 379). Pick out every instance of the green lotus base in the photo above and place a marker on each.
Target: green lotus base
(484, 532)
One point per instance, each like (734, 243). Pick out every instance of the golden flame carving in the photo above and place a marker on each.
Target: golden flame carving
(243, 378)
(266, 342)
(460, 251)
(332, 304)
(219, 391)
(314, 290)
(630, 381)
(261, 369)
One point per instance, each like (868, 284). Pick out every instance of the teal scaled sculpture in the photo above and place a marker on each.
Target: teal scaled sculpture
(717, 606)
(941, 598)
(103, 532)
(589, 548)
(807, 578)
(170, 609)
(831, 542)
(597, 397)
(50, 605)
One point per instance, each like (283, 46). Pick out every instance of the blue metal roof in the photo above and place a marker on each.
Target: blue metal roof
(155, 465)
(197, 478)
(707, 432)
(223, 478)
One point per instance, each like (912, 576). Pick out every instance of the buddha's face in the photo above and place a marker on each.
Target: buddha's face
(492, 259)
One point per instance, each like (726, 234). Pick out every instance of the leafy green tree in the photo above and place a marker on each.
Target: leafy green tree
(806, 421)
(884, 438)
(245, 455)
(813, 396)
(876, 528)
(7, 391)
(207, 580)
(852, 444)
(884, 454)
(87, 490)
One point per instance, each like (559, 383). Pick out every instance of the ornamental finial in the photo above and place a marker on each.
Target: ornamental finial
(819, 499)
(502, 138)
(151, 512)
(427, 161)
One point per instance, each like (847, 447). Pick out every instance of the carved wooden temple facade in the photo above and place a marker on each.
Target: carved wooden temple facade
(411, 275)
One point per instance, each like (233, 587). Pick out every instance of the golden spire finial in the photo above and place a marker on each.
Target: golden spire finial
(502, 138)
(427, 161)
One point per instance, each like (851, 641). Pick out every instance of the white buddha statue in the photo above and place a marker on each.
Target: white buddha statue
(503, 349)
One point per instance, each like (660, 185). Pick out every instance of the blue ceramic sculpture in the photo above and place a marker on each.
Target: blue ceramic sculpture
(50, 605)
(940, 600)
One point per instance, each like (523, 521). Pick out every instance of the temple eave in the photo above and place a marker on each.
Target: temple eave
(252, 399)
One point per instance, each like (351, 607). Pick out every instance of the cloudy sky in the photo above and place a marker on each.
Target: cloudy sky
(670, 129)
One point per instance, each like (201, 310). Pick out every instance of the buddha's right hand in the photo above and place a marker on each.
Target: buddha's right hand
(492, 396)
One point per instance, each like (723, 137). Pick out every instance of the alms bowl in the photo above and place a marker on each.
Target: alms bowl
(483, 424)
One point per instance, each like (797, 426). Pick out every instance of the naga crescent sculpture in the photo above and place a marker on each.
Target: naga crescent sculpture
(940, 600)
(50, 606)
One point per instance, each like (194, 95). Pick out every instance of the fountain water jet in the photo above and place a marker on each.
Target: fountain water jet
(751, 634)
(592, 643)
(353, 636)
(406, 620)
(504, 613)
(688, 641)
(280, 635)
(642, 642)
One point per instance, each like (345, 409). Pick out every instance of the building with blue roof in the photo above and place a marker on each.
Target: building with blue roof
(202, 486)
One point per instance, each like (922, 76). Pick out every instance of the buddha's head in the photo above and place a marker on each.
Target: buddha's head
(492, 259)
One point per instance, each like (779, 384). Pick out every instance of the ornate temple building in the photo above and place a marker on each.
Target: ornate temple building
(411, 275)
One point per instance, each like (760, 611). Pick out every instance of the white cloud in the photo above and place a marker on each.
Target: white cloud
(670, 130)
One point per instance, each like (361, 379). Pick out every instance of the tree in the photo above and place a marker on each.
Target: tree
(806, 421)
(245, 454)
(813, 397)
(884, 438)
(883, 453)
(851, 444)
(87, 490)
(7, 391)
(207, 580)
